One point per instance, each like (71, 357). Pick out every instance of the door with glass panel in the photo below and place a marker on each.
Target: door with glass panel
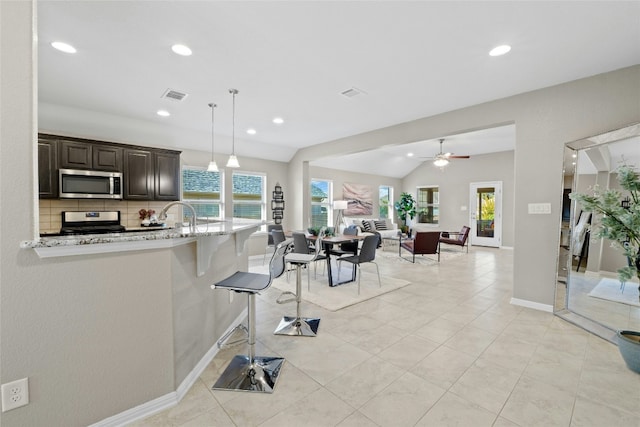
(486, 213)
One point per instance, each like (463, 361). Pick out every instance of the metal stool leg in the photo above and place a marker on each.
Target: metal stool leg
(250, 373)
(298, 325)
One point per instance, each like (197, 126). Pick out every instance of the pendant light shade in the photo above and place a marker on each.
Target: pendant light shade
(233, 160)
(213, 167)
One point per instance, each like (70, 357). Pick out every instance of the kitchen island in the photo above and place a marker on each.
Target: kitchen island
(136, 310)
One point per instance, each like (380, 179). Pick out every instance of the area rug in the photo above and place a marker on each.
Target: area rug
(338, 297)
(609, 289)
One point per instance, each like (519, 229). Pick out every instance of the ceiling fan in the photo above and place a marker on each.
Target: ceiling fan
(442, 159)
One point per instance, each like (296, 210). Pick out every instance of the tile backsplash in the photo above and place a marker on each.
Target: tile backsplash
(51, 217)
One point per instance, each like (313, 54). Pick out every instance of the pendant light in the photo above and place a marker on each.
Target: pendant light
(213, 167)
(233, 160)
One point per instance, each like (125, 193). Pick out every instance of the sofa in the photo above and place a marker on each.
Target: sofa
(384, 226)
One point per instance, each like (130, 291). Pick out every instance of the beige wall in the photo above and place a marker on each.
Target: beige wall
(453, 182)
(545, 119)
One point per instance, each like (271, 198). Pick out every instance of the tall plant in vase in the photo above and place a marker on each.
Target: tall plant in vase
(405, 207)
(619, 221)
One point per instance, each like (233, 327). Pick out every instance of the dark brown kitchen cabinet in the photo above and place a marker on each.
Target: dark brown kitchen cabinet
(138, 174)
(47, 168)
(88, 155)
(166, 175)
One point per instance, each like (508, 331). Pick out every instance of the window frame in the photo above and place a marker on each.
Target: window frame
(390, 209)
(263, 194)
(200, 202)
(425, 205)
(327, 204)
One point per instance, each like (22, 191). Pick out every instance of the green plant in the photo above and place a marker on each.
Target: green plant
(406, 206)
(618, 223)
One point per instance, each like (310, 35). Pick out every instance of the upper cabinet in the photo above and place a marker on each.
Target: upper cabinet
(47, 168)
(148, 173)
(88, 155)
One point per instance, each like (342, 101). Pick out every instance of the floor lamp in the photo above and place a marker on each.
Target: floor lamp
(339, 205)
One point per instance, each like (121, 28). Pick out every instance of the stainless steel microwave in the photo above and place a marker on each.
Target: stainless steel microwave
(88, 184)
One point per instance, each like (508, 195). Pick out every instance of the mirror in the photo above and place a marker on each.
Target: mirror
(588, 292)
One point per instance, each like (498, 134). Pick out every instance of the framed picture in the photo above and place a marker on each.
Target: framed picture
(359, 198)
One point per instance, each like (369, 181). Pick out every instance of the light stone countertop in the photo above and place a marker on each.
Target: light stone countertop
(61, 246)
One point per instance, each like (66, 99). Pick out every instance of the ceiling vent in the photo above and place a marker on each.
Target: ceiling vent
(352, 92)
(174, 94)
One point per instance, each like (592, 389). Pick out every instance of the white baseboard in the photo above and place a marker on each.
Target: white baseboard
(532, 304)
(509, 248)
(170, 399)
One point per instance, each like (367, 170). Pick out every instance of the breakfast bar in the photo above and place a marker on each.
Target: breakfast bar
(153, 299)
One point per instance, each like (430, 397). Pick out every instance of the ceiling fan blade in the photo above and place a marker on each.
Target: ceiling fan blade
(459, 157)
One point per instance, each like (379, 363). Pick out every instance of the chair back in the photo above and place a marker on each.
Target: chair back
(270, 229)
(300, 244)
(351, 230)
(368, 250)
(277, 264)
(277, 236)
(464, 234)
(318, 243)
(426, 242)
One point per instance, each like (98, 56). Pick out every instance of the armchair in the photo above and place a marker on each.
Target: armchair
(458, 239)
(424, 243)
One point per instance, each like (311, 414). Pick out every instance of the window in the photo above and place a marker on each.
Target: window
(385, 204)
(428, 205)
(321, 213)
(249, 196)
(202, 190)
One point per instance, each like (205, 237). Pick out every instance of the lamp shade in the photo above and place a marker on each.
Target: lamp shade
(340, 204)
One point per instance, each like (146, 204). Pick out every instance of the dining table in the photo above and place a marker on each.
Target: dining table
(328, 242)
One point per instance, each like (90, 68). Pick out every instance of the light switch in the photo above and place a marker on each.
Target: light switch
(539, 208)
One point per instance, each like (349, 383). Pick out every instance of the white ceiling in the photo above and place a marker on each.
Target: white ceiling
(293, 59)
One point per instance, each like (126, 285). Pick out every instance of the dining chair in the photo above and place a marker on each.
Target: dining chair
(367, 255)
(271, 244)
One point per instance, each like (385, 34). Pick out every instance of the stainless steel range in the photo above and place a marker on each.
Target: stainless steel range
(93, 222)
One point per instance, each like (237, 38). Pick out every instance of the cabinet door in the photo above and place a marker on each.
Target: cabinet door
(138, 175)
(107, 158)
(75, 155)
(167, 176)
(47, 169)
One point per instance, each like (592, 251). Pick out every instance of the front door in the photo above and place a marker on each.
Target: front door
(486, 213)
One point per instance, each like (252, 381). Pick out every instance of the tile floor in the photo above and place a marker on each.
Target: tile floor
(446, 350)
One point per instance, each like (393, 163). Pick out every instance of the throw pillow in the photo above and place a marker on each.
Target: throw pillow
(381, 224)
(366, 225)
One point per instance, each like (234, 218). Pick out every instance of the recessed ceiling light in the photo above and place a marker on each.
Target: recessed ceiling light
(500, 50)
(251, 131)
(64, 47)
(278, 120)
(181, 49)
(163, 113)
(409, 154)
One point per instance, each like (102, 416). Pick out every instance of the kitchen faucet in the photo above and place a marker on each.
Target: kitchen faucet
(192, 221)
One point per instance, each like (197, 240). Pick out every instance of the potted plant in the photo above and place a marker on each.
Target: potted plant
(406, 206)
(620, 222)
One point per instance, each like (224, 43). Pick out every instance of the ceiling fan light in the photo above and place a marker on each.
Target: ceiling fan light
(441, 162)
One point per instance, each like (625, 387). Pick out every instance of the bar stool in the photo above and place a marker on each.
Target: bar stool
(298, 325)
(251, 372)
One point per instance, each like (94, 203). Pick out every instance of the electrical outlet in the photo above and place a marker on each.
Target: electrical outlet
(15, 394)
